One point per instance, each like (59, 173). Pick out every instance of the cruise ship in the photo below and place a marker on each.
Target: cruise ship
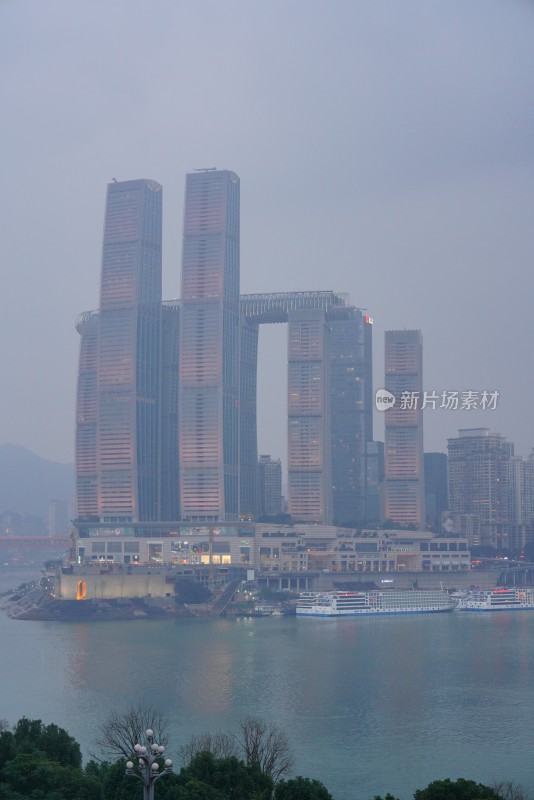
(389, 601)
(501, 599)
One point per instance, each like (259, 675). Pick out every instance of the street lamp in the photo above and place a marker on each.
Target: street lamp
(148, 765)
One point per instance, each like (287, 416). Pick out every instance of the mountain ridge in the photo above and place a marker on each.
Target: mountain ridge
(28, 482)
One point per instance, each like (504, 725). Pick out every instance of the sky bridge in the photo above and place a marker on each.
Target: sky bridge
(269, 308)
(266, 308)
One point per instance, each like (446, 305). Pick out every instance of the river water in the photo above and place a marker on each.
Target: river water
(370, 705)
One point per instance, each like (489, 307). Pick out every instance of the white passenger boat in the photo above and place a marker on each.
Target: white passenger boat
(500, 599)
(388, 601)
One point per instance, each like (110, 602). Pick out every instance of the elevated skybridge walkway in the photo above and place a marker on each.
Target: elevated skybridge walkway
(275, 307)
(272, 308)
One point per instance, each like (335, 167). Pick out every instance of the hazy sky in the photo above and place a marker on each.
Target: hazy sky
(385, 149)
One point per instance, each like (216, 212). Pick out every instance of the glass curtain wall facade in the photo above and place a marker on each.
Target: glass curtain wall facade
(170, 464)
(249, 502)
(209, 348)
(404, 458)
(118, 399)
(478, 472)
(166, 403)
(309, 448)
(87, 506)
(351, 414)
(436, 492)
(270, 486)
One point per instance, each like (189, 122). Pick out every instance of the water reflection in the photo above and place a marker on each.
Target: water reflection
(379, 704)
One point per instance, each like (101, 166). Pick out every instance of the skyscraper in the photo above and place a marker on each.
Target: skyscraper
(479, 478)
(270, 486)
(343, 364)
(309, 442)
(436, 492)
(374, 494)
(351, 417)
(208, 417)
(166, 407)
(87, 503)
(404, 461)
(169, 456)
(117, 441)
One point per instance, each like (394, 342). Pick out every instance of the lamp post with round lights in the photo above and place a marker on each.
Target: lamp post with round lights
(148, 765)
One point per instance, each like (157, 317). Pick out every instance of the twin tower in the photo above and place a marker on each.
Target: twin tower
(166, 401)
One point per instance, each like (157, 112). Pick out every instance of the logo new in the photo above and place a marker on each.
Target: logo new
(384, 400)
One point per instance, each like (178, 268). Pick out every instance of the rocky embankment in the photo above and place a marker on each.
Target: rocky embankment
(37, 604)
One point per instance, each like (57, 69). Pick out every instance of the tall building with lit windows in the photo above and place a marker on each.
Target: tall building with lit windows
(269, 486)
(166, 425)
(208, 417)
(351, 413)
(482, 485)
(403, 450)
(309, 429)
(117, 423)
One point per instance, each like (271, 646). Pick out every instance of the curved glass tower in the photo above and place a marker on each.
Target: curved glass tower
(117, 443)
(208, 417)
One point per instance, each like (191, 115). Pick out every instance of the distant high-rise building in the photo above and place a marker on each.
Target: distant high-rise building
(528, 489)
(351, 413)
(170, 461)
(166, 407)
(309, 443)
(117, 425)
(436, 494)
(58, 523)
(374, 489)
(208, 416)
(479, 482)
(270, 486)
(404, 466)
(249, 491)
(87, 501)
(344, 365)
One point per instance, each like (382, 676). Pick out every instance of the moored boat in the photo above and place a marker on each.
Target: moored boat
(499, 599)
(388, 601)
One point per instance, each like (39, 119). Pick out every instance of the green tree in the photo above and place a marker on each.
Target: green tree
(187, 590)
(460, 789)
(54, 742)
(300, 788)
(194, 790)
(116, 785)
(33, 775)
(42, 762)
(260, 744)
(230, 778)
(7, 747)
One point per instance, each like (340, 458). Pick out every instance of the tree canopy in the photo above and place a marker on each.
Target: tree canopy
(300, 788)
(460, 789)
(43, 762)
